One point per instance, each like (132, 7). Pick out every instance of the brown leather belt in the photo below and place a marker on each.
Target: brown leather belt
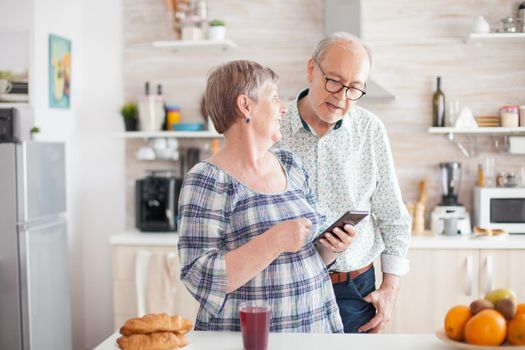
(341, 277)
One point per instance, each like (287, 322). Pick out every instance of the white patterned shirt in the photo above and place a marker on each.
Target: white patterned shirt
(351, 168)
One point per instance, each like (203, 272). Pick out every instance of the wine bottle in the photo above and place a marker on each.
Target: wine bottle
(438, 107)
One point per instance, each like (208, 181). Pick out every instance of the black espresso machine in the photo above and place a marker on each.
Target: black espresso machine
(156, 201)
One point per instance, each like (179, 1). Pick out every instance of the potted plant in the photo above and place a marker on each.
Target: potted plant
(34, 132)
(216, 30)
(129, 113)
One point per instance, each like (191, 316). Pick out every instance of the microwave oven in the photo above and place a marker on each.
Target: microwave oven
(500, 207)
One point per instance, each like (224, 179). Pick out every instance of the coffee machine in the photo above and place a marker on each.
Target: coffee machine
(156, 201)
(450, 217)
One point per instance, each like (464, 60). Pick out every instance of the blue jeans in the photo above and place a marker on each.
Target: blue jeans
(354, 310)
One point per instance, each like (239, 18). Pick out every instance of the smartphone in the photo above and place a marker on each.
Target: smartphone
(351, 217)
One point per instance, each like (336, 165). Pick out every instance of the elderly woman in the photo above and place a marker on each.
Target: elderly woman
(247, 217)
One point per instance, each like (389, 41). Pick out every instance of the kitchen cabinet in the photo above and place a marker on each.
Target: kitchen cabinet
(130, 289)
(502, 269)
(441, 278)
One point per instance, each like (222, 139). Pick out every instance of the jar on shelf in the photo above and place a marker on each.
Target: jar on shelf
(509, 116)
(510, 25)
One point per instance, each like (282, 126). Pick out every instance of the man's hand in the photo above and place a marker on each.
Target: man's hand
(383, 300)
(338, 240)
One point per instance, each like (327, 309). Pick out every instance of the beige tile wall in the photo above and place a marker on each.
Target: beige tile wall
(412, 42)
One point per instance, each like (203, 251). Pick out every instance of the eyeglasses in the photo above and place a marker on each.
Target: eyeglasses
(351, 93)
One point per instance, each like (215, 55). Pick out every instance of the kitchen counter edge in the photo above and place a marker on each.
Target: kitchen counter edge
(136, 238)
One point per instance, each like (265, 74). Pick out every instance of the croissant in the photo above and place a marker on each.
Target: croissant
(153, 341)
(156, 323)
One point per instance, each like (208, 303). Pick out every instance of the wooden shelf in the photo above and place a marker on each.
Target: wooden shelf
(479, 131)
(5, 104)
(170, 134)
(475, 38)
(188, 44)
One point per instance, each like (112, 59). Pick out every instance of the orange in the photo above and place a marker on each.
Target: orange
(516, 330)
(521, 309)
(455, 322)
(487, 327)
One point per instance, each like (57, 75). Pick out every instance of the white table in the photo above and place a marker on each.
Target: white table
(304, 341)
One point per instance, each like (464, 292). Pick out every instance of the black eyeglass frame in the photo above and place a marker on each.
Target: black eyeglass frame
(343, 86)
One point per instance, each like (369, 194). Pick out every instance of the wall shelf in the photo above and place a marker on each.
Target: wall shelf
(475, 38)
(479, 131)
(170, 134)
(471, 148)
(188, 44)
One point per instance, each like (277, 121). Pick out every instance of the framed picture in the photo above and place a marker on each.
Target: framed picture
(59, 72)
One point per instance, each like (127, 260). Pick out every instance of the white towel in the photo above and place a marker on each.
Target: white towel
(160, 295)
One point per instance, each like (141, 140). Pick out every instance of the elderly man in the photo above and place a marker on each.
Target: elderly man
(346, 150)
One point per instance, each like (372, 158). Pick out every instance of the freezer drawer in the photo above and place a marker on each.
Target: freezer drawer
(45, 286)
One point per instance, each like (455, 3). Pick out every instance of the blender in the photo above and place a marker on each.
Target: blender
(450, 217)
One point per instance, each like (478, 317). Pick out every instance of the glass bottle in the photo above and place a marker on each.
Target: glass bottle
(438, 106)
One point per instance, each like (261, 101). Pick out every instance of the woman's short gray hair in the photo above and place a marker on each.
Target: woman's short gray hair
(226, 82)
(337, 37)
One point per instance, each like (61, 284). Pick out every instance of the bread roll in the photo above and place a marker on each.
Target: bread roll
(156, 323)
(153, 341)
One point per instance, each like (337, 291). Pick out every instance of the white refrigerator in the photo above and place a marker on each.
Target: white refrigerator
(34, 259)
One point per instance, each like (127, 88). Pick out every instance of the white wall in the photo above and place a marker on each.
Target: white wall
(100, 162)
(95, 157)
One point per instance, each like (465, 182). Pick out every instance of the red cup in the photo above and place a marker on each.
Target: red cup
(255, 324)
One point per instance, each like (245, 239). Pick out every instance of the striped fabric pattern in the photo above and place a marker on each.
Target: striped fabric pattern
(217, 214)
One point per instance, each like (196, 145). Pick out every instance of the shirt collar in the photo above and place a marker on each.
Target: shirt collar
(299, 123)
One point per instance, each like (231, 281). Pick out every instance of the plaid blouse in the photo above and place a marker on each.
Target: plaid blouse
(217, 214)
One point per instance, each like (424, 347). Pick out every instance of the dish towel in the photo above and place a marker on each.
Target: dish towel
(161, 289)
(154, 282)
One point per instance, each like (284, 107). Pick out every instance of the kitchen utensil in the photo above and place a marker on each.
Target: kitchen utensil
(481, 26)
(489, 171)
(522, 115)
(188, 126)
(151, 110)
(510, 25)
(449, 206)
(146, 153)
(450, 226)
(450, 180)
(521, 15)
(192, 157)
(5, 86)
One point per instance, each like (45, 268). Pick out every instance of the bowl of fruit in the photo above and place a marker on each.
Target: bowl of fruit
(494, 322)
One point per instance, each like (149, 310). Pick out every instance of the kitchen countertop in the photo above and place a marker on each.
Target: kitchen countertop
(304, 341)
(135, 238)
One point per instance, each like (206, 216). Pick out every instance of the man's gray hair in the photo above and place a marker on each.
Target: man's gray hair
(338, 37)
